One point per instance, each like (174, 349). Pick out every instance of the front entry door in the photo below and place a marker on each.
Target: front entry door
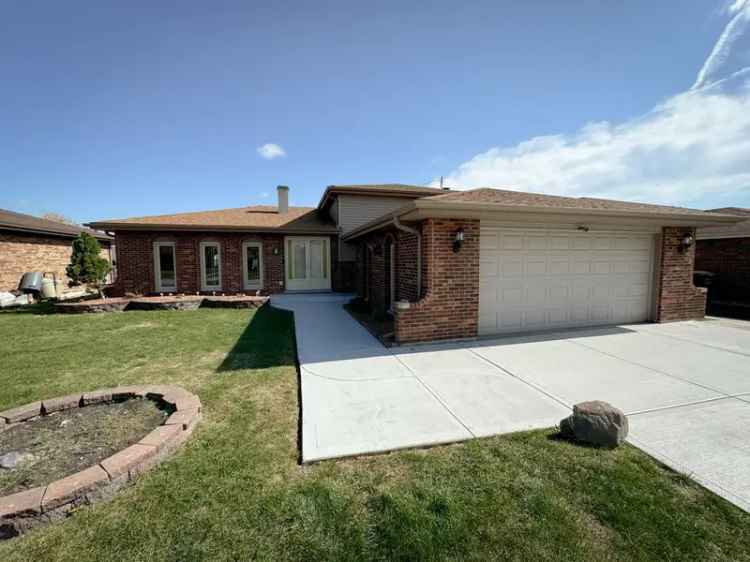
(308, 264)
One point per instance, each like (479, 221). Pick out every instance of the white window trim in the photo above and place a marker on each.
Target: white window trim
(245, 283)
(157, 267)
(203, 246)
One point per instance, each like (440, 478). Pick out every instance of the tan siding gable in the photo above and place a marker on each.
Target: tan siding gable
(356, 210)
(334, 211)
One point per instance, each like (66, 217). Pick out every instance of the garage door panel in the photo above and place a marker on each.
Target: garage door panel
(557, 316)
(489, 267)
(580, 243)
(511, 242)
(536, 265)
(536, 243)
(512, 319)
(580, 313)
(602, 267)
(559, 242)
(536, 280)
(489, 241)
(511, 266)
(579, 267)
(512, 295)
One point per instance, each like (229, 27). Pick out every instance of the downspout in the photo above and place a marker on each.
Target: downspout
(418, 234)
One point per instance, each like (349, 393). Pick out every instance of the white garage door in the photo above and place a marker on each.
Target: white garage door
(543, 279)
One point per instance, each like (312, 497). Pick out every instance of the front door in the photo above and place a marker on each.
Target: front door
(308, 264)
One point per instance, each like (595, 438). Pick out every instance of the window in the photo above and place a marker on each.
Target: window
(165, 267)
(210, 266)
(252, 265)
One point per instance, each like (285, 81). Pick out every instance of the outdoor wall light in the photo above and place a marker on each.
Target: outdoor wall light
(686, 242)
(458, 239)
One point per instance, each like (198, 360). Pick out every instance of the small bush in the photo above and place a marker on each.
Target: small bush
(86, 265)
(358, 304)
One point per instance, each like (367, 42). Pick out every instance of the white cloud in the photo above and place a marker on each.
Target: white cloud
(695, 143)
(270, 151)
(736, 6)
(264, 195)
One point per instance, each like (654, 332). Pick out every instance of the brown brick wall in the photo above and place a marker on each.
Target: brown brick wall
(450, 306)
(677, 297)
(729, 259)
(136, 260)
(20, 253)
(373, 256)
(344, 272)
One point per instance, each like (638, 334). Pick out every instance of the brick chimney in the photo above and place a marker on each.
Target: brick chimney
(283, 195)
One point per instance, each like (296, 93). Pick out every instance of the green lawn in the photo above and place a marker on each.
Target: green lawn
(237, 492)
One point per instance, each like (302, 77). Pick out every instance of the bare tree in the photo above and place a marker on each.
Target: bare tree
(57, 217)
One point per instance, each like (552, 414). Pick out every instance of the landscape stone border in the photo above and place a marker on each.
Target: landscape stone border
(116, 304)
(24, 510)
(173, 302)
(235, 301)
(170, 302)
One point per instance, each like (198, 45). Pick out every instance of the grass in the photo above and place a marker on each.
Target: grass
(237, 492)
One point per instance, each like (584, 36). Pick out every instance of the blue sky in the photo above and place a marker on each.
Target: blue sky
(114, 109)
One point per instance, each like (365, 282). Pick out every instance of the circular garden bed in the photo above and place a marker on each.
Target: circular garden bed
(74, 450)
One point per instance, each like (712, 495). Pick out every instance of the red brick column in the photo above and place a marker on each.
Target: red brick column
(677, 297)
(450, 307)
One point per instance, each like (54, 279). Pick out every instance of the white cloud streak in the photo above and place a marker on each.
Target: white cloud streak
(723, 47)
(694, 144)
(736, 6)
(270, 151)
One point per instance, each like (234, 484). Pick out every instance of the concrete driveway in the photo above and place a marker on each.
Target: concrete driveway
(685, 386)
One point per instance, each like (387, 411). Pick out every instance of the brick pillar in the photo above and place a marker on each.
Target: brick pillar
(677, 297)
(450, 307)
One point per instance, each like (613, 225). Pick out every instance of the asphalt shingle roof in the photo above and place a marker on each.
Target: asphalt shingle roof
(523, 199)
(19, 222)
(739, 230)
(258, 217)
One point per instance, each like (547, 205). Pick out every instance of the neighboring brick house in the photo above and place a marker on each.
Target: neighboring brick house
(445, 264)
(725, 252)
(29, 243)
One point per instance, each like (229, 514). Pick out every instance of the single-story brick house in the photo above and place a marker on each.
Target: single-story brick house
(725, 251)
(446, 264)
(29, 243)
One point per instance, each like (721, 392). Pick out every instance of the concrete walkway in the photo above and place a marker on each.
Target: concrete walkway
(685, 386)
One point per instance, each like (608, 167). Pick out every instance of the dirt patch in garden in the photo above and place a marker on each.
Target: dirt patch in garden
(50, 447)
